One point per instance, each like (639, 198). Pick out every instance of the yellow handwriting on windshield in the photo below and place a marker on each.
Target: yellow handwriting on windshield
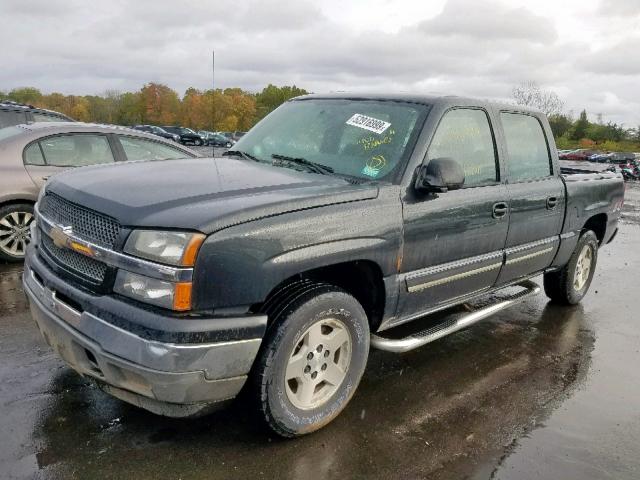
(371, 142)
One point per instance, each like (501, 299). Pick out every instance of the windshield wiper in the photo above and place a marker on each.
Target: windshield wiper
(313, 166)
(240, 153)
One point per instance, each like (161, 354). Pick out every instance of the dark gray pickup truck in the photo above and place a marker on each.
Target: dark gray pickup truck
(330, 226)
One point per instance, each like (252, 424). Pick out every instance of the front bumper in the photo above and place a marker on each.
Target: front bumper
(174, 379)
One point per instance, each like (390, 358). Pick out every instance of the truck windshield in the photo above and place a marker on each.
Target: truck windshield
(359, 138)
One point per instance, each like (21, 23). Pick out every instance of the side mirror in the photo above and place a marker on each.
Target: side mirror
(439, 175)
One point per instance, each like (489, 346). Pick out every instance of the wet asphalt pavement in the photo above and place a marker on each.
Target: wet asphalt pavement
(537, 391)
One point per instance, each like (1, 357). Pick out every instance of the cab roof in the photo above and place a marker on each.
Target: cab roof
(432, 100)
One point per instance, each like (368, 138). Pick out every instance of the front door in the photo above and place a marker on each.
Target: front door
(454, 241)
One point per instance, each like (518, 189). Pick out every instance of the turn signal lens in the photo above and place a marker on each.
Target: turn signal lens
(182, 297)
(191, 250)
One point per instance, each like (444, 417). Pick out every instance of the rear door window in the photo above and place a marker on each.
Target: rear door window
(142, 149)
(9, 118)
(76, 150)
(43, 117)
(528, 155)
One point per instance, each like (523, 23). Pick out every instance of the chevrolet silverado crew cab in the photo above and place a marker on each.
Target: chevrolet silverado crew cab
(338, 223)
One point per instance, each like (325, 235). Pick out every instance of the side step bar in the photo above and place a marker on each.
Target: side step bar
(453, 324)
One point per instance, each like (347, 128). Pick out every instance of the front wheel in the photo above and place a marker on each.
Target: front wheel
(571, 283)
(312, 359)
(197, 143)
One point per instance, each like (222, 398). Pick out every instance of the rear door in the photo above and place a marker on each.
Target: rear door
(536, 196)
(54, 154)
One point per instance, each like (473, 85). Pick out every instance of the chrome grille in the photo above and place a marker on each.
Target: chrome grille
(88, 267)
(90, 225)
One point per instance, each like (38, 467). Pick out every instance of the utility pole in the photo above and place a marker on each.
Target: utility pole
(213, 97)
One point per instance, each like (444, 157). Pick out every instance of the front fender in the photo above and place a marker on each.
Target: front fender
(240, 265)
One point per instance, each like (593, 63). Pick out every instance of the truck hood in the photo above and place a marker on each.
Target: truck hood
(204, 194)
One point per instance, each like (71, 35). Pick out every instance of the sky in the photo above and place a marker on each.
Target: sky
(587, 51)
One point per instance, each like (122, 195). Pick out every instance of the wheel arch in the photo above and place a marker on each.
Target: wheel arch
(363, 279)
(17, 200)
(598, 224)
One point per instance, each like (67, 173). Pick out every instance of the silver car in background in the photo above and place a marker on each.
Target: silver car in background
(31, 153)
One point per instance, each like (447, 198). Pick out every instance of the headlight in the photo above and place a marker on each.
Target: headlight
(172, 248)
(174, 296)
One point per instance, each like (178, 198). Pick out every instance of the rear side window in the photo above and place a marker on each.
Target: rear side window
(464, 135)
(76, 150)
(9, 118)
(142, 149)
(42, 117)
(33, 155)
(526, 147)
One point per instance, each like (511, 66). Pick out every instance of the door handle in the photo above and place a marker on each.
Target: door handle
(46, 177)
(552, 202)
(500, 209)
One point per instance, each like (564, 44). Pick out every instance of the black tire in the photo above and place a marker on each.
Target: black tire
(228, 145)
(298, 308)
(560, 286)
(20, 209)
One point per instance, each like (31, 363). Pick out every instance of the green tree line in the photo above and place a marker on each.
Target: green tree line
(233, 109)
(582, 133)
(227, 109)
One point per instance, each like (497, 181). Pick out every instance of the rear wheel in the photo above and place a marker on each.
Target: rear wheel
(312, 359)
(571, 283)
(15, 231)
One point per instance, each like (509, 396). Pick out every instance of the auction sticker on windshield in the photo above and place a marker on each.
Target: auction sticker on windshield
(368, 123)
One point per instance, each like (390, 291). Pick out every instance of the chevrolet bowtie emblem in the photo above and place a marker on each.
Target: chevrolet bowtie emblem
(60, 236)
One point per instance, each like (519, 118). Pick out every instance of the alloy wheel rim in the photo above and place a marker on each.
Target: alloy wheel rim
(583, 268)
(15, 233)
(318, 364)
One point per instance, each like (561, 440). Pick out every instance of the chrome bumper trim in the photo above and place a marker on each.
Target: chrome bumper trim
(217, 360)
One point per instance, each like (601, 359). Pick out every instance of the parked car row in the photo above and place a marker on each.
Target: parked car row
(216, 139)
(597, 155)
(31, 153)
(155, 130)
(235, 136)
(187, 136)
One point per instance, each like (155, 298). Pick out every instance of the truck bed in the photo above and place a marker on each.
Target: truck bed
(572, 167)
